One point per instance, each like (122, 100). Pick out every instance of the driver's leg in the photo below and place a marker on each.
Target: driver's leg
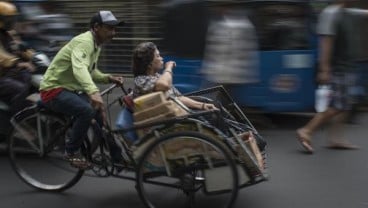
(77, 106)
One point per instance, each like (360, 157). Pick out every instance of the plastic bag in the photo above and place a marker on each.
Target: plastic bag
(322, 99)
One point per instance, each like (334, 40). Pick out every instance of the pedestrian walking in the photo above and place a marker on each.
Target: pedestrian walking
(231, 50)
(337, 68)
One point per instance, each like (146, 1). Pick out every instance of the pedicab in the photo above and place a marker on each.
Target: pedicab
(180, 158)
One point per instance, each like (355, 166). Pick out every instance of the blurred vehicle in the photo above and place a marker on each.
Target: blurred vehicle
(41, 27)
(44, 31)
(41, 62)
(288, 52)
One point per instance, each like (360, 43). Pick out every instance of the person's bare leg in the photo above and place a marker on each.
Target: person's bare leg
(335, 134)
(305, 133)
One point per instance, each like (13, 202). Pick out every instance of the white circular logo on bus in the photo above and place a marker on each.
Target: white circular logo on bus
(284, 83)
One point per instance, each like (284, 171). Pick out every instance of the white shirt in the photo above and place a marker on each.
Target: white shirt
(231, 52)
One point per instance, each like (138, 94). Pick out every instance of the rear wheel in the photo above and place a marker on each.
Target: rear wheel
(36, 150)
(187, 169)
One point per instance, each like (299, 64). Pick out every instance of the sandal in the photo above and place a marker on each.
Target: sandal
(342, 146)
(305, 140)
(77, 160)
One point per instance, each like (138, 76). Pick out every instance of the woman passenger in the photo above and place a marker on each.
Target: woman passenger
(147, 63)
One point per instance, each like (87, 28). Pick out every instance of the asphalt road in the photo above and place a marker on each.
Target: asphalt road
(326, 179)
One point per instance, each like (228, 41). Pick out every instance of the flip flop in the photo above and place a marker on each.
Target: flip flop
(342, 146)
(305, 141)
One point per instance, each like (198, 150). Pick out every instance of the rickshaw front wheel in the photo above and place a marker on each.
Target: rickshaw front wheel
(188, 169)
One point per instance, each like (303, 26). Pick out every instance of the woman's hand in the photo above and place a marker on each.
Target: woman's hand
(209, 106)
(170, 65)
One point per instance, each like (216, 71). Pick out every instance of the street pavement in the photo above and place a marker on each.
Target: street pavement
(326, 179)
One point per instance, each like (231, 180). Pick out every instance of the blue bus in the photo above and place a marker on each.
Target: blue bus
(288, 52)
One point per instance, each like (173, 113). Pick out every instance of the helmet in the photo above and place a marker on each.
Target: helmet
(8, 11)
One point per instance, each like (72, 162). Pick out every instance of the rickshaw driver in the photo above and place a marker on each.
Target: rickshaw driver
(69, 85)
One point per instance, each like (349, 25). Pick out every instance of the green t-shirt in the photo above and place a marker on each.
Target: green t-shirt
(75, 66)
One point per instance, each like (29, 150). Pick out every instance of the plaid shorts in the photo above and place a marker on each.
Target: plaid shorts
(348, 90)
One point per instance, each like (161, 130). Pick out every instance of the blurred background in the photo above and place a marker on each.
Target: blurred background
(285, 37)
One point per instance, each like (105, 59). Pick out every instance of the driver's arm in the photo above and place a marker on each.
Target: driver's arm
(7, 60)
(81, 62)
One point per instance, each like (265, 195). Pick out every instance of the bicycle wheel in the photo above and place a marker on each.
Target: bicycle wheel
(36, 150)
(187, 169)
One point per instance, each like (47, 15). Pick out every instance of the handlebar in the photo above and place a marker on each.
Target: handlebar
(113, 86)
(109, 89)
(106, 92)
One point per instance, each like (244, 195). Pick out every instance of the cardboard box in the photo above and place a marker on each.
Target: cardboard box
(152, 119)
(161, 111)
(146, 101)
(164, 109)
(143, 131)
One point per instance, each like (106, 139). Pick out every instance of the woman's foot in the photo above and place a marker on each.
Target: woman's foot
(305, 140)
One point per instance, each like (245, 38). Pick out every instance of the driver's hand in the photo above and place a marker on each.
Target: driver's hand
(26, 65)
(116, 79)
(97, 101)
(28, 54)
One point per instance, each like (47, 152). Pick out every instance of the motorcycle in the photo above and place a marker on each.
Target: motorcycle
(41, 61)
